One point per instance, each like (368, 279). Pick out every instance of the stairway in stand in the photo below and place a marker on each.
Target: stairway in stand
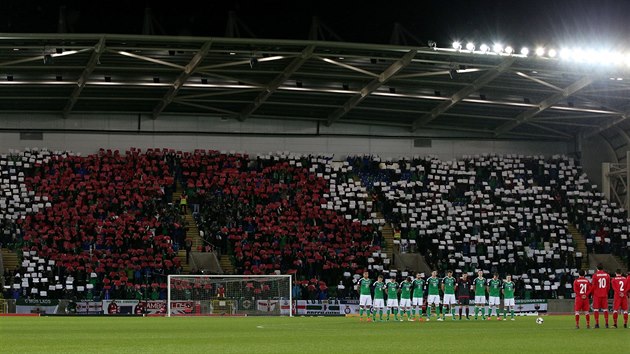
(226, 264)
(9, 260)
(580, 245)
(388, 238)
(192, 233)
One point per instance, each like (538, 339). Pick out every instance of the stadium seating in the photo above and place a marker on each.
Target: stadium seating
(101, 225)
(506, 214)
(283, 213)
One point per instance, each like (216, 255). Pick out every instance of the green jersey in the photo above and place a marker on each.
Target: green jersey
(508, 290)
(495, 287)
(364, 286)
(392, 290)
(480, 286)
(379, 286)
(449, 285)
(434, 285)
(418, 288)
(405, 290)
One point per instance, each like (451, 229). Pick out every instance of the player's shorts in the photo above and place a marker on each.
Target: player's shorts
(494, 300)
(379, 303)
(620, 303)
(600, 303)
(405, 302)
(365, 300)
(581, 305)
(433, 299)
(463, 300)
(392, 303)
(449, 299)
(417, 301)
(508, 302)
(480, 300)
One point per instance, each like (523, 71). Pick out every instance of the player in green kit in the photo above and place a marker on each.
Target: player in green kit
(448, 288)
(418, 296)
(494, 301)
(405, 299)
(433, 301)
(379, 302)
(365, 296)
(392, 298)
(508, 297)
(480, 295)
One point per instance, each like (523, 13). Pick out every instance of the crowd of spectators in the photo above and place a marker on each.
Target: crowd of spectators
(104, 230)
(106, 226)
(281, 213)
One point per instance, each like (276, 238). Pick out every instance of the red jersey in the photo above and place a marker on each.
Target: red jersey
(620, 286)
(112, 309)
(581, 286)
(601, 284)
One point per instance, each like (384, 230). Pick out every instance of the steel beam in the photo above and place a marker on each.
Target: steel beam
(372, 86)
(544, 105)
(99, 48)
(183, 77)
(480, 82)
(276, 82)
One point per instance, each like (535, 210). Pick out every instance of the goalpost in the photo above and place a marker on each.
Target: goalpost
(229, 295)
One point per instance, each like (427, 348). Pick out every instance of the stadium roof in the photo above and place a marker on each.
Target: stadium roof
(418, 88)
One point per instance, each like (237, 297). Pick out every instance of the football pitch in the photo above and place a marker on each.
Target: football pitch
(301, 335)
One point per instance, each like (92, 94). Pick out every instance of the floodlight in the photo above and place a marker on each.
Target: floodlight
(540, 51)
(457, 45)
(470, 46)
(552, 53)
(497, 48)
(484, 48)
(525, 51)
(509, 50)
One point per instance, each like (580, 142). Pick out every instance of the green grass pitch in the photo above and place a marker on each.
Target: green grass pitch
(301, 335)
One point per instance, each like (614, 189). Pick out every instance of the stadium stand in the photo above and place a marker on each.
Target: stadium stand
(102, 225)
(106, 225)
(510, 213)
(277, 213)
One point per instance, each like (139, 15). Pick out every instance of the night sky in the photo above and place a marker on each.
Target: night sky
(585, 23)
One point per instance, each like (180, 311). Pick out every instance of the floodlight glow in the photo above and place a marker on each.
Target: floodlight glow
(591, 56)
(579, 55)
(525, 51)
(540, 51)
(497, 48)
(457, 45)
(616, 58)
(552, 53)
(565, 53)
(484, 48)
(509, 50)
(470, 46)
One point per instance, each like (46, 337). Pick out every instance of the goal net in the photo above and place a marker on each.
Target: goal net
(229, 295)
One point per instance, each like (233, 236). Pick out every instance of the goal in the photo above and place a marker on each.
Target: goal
(229, 295)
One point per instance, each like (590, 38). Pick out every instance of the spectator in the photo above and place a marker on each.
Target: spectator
(188, 245)
(183, 203)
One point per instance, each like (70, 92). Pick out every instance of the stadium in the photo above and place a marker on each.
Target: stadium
(186, 193)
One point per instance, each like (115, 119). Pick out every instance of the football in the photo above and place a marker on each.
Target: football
(539, 320)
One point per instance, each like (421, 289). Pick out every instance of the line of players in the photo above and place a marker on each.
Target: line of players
(412, 297)
(599, 286)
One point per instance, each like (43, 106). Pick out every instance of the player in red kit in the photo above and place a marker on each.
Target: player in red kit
(601, 287)
(620, 302)
(582, 289)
